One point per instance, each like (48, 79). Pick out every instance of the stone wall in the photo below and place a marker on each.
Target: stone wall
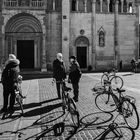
(53, 39)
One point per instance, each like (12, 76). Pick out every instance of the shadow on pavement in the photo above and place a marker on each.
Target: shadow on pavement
(42, 110)
(32, 105)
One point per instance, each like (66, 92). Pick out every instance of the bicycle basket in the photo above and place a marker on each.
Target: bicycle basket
(130, 98)
(59, 128)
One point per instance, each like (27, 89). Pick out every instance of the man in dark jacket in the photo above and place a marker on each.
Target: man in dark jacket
(9, 80)
(74, 76)
(59, 72)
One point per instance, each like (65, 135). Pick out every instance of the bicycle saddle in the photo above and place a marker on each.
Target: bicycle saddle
(59, 128)
(120, 90)
(67, 89)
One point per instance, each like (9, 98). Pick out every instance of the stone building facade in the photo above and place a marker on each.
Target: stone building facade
(100, 33)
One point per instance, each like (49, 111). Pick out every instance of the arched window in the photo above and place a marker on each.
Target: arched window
(111, 6)
(101, 34)
(105, 6)
(73, 5)
(97, 6)
(130, 7)
(119, 6)
(125, 6)
(81, 5)
(89, 6)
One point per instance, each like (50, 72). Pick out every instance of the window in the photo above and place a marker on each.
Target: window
(124, 6)
(130, 7)
(119, 6)
(105, 6)
(73, 5)
(111, 6)
(98, 6)
(101, 34)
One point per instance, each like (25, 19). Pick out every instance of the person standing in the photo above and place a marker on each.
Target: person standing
(74, 76)
(59, 72)
(9, 81)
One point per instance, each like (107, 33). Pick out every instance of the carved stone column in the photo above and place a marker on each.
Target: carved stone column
(108, 2)
(116, 35)
(43, 55)
(77, 5)
(85, 6)
(101, 6)
(53, 5)
(137, 29)
(122, 2)
(93, 27)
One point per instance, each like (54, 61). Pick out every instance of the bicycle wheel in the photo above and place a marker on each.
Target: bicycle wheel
(73, 111)
(104, 77)
(130, 114)
(119, 133)
(116, 82)
(105, 102)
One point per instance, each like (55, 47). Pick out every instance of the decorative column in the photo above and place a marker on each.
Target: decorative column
(85, 6)
(108, 2)
(137, 29)
(93, 29)
(77, 5)
(53, 5)
(43, 55)
(101, 6)
(116, 34)
(65, 30)
(122, 6)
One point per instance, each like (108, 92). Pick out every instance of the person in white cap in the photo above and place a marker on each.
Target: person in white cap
(59, 72)
(9, 81)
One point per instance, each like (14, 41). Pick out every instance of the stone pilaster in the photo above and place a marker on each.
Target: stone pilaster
(116, 36)
(93, 27)
(65, 30)
(101, 6)
(43, 55)
(122, 2)
(137, 29)
(108, 2)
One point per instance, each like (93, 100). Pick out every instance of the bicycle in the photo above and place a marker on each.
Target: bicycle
(68, 104)
(115, 132)
(116, 81)
(125, 105)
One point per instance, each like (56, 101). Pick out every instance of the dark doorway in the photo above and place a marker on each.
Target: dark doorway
(82, 56)
(25, 53)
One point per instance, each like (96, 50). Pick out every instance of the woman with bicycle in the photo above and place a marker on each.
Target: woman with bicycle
(74, 76)
(9, 81)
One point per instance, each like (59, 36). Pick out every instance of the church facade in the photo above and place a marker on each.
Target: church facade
(100, 33)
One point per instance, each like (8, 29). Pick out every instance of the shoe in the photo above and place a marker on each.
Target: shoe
(3, 110)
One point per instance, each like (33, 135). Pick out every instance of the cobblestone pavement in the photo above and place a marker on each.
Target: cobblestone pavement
(42, 110)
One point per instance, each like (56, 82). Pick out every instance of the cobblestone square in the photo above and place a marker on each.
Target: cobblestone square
(42, 110)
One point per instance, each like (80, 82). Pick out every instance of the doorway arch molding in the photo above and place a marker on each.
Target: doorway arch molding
(82, 51)
(24, 26)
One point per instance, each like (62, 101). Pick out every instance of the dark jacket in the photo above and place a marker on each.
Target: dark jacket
(10, 74)
(59, 71)
(75, 72)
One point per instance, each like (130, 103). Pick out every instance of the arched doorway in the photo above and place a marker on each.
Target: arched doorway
(23, 34)
(82, 45)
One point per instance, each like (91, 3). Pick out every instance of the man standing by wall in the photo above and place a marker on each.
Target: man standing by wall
(74, 76)
(59, 72)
